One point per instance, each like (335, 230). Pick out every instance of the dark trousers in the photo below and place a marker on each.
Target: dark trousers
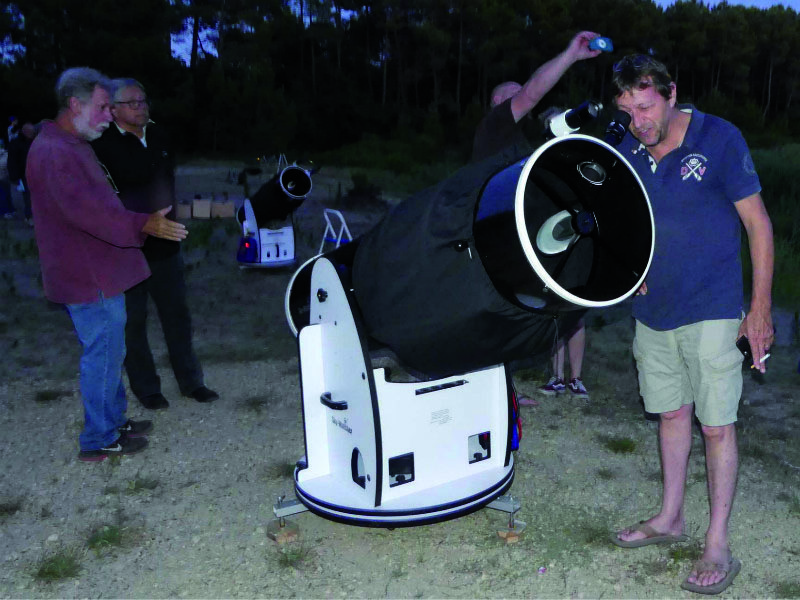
(167, 287)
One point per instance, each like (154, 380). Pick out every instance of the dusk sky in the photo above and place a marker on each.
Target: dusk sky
(793, 4)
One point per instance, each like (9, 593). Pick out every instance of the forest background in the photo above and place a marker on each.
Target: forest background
(309, 76)
(400, 85)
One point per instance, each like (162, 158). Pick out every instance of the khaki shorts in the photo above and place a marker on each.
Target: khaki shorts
(695, 363)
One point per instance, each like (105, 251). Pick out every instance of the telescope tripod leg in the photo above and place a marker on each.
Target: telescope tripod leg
(515, 527)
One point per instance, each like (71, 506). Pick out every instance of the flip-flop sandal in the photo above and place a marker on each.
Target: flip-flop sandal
(731, 571)
(651, 537)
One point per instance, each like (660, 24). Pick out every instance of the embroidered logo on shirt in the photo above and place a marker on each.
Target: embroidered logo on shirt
(693, 165)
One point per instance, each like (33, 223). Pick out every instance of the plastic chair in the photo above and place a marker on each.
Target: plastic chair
(338, 234)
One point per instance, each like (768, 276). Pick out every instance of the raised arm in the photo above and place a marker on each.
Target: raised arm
(546, 76)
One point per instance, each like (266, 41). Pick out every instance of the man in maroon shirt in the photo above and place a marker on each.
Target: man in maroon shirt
(89, 249)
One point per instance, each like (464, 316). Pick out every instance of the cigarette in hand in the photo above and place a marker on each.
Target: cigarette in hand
(763, 359)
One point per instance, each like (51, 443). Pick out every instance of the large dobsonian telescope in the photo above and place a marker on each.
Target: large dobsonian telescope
(455, 282)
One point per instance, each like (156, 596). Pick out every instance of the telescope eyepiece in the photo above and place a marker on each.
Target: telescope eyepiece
(617, 128)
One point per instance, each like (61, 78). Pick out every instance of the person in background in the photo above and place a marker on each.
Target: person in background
(18, 150)
(6, 205)
(137, 154)
(89, 251)
(703, 186)
(575, 345)
(13, 128)
(510, 101)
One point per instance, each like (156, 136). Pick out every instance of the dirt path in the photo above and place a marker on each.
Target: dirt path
(193, 509)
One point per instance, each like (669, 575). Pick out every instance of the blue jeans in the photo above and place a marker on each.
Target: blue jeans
(100, 326)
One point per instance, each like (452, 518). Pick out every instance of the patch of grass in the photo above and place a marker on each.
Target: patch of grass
(618, 445)
(686, 552)
(10, 507)
(617, 360)
(530, 376)
(779, 434)
(397, 573)
(257, 404)
(598, 409)
(281, 470)
(787, 589)
(45, 396)
(606, 474)
(794, 506)
(46, 512)
(200, 233)
(141, 484)
(648, 569)
(761, 448)
(592, 533)
(105, 537)
(573, 532)
(696, 477)
(293, 555)
(59, 564)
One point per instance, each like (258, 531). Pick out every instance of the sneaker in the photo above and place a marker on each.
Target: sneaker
(123, 445)
(577, 388)
(553, 387)
(135, 429)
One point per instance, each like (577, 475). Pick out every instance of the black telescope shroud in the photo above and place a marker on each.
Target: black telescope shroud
(424, 292)
(450, 291)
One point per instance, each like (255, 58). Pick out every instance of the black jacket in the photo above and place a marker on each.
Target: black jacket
(144, 177)
(17, 157)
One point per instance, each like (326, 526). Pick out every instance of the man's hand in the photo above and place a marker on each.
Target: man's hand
(642, 291)
(159, 226)
(757, 326)
(578, 48)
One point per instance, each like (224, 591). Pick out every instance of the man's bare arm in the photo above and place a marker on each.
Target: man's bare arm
(546, 76)
(757, 325)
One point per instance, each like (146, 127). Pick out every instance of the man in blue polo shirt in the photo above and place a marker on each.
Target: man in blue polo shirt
(702, 183)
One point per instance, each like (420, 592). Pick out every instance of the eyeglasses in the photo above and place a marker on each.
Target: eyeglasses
(109, 177)
(135, 104)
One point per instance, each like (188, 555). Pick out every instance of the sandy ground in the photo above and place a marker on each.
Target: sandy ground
(194, 508)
